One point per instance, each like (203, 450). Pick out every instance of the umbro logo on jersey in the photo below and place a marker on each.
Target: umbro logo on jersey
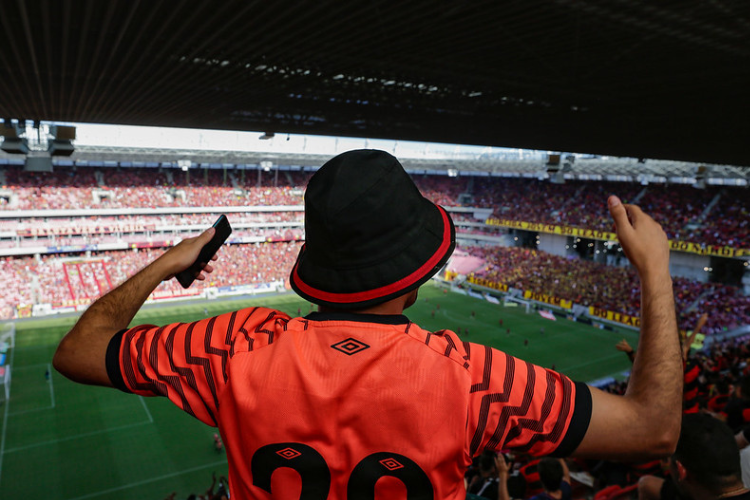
(391, 464)
(288, 453)
(350, 346)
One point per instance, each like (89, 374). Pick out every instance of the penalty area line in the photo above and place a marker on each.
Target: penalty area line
(148, 413)
(77, 436)
(150, 480)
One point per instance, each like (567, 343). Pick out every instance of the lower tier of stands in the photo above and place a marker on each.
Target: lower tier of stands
(67, 280)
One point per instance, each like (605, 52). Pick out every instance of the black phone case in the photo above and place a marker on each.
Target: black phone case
(223, 230)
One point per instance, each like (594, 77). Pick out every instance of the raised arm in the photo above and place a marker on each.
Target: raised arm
(502, 477)
(645, 422)
(625, 347)
(81, 353)
(689, 341)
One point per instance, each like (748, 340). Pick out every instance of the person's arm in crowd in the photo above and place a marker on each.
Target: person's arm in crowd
(566, 470)
(81, 353)
(689, 341)
(645, 421)
(502, 477)
(625, 347)
(743, 437)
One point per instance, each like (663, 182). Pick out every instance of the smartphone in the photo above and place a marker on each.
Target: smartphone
(223, 230)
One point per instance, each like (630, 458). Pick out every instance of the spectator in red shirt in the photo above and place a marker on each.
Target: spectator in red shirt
(354, 392)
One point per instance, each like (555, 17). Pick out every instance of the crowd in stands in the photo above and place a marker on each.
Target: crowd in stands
(712, 216)
(56, 279)
(151, 237)
(219, 490)
(607, 287)
(713, 446)
(679, 208)
(84, 187)
(63, 280)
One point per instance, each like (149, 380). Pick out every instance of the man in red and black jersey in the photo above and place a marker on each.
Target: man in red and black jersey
(355, 400)
(691, 369)
(691, 366)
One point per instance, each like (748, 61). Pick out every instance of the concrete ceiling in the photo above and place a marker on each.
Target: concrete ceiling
(634, 78)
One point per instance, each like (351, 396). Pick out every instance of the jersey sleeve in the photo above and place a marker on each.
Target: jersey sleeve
(518, 405)
(187, 362)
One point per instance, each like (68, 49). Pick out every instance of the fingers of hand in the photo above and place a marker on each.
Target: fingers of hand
(206, 235)
(207, 269)
(619, 214)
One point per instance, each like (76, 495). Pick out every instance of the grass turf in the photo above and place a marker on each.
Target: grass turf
(62, 440)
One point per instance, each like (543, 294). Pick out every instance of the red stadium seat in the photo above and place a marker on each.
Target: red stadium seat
(604, 494)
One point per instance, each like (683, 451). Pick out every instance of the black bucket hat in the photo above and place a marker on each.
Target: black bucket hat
(370, 235)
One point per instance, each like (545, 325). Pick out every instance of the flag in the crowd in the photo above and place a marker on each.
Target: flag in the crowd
(491, 299)
(547, 314)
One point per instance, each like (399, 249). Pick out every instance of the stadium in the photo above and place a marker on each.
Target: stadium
(100, 176)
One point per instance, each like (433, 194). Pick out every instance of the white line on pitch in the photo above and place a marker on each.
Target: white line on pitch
(147, 481)
(5, 414)
(593, 362)
(77, 436)
(34, 410)
(150, 418)
(29, 367)
(51, 387)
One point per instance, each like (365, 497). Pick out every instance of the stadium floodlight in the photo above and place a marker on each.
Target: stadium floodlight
(266, 165)
(184, 164)
(12, 142)
(15, 146)
(452, 172)
(62, 143)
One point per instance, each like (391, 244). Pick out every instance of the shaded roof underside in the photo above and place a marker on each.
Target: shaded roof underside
(624, 78)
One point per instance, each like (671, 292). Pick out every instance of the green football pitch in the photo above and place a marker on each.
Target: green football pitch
(62, 440)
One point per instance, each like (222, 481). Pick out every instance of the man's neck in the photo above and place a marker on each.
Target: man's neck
(392, 307)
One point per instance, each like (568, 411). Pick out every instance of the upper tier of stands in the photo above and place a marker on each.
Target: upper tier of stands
(711, 216)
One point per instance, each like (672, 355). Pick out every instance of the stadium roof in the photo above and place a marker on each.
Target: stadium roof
(631, 78)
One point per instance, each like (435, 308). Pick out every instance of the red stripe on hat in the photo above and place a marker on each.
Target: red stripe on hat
(384, 291)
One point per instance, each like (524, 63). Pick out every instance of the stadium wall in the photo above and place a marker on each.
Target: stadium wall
(689, 265)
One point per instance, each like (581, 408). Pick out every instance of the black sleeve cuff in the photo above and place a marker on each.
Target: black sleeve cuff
(746, 433)
(113, 362)
(579, 422)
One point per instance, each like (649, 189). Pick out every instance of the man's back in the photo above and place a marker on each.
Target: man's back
(371, 240)
(345, 399)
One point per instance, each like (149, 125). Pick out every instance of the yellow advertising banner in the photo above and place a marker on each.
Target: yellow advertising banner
(487, 283)
(552, 229)
(547, 299)
(680, 246)
(685, 246)
(615, 316)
